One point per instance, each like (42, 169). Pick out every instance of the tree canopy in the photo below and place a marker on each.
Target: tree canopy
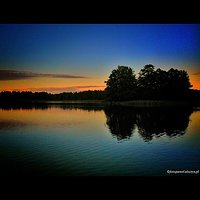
(150, 84)
(121, 84)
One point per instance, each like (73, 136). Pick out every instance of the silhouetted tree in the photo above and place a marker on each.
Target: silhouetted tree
(160, 84)
(146, 82)
(121, 84)
(178, 81)
(146, 79)
(161, 79)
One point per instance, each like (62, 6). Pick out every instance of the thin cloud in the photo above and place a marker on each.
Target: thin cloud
(196, 73)
(6, 75)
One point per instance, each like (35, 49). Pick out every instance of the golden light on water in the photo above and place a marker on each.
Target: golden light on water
(53, 117)
(194, 125)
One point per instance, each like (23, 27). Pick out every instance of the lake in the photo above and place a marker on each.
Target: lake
(89, 140)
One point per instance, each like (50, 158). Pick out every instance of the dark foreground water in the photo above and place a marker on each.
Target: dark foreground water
(61, 140)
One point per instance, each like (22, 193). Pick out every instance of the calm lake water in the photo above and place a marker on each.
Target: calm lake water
(63, 140)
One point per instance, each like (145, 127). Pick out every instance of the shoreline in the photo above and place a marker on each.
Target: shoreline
(133, 103)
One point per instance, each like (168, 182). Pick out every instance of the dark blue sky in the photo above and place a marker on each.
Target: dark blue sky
(95, 49)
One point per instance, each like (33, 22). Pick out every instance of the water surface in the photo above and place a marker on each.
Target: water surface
(65, 140)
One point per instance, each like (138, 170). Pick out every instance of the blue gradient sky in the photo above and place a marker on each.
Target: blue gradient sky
(93, 50)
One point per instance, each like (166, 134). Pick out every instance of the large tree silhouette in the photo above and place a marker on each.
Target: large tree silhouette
(121, 84)
(151, 84)
(160, 84)
(178, 81)
(147, 77)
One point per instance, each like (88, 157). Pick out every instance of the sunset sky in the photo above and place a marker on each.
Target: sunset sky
(75, 57)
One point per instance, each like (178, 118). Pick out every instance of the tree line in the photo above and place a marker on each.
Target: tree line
(44, 96)
(150, 84)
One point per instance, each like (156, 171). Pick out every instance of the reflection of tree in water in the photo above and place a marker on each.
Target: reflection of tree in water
(120, 121)
(150, 121)
(159, 121)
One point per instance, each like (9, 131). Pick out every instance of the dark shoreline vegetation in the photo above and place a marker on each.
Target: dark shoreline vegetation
(40, 104)
(151, 88)
(90, 97)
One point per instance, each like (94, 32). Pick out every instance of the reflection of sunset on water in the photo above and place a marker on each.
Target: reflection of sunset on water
(53, 117)
(194, 125)
(62, 140)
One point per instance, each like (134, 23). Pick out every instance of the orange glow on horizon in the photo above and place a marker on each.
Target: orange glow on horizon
(196, 84)
(75, 85)
(53, 85)
(195, 80)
